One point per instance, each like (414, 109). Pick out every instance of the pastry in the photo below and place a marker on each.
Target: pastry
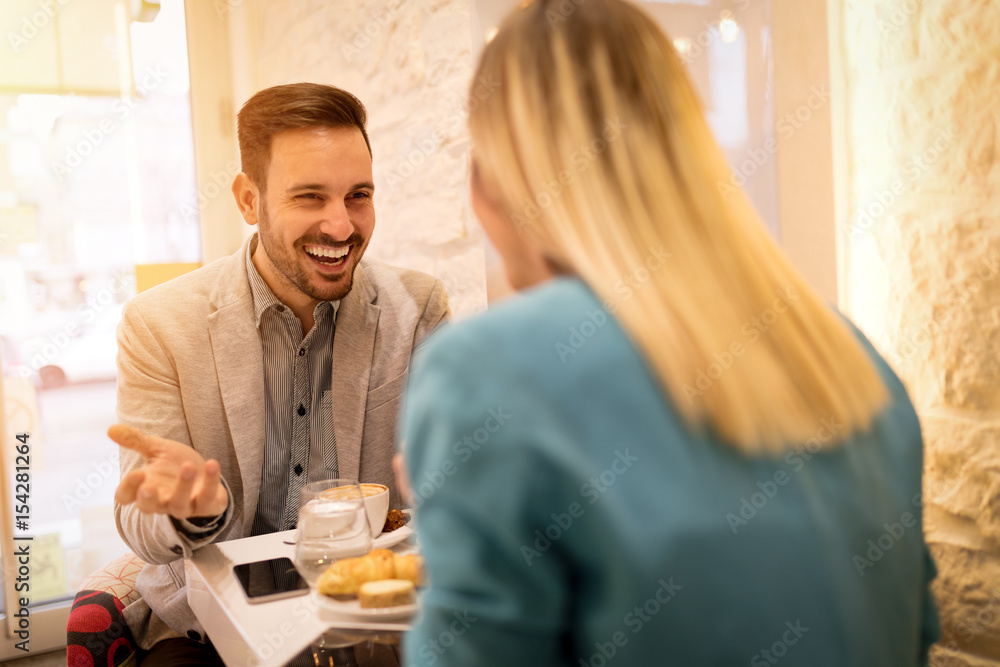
(385, 593)
(346, 576)
(395, 519)
(411, 568)
(383, 564)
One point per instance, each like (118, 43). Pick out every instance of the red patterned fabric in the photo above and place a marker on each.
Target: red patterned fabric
(77, 656)
(96, 632)
(89, 617)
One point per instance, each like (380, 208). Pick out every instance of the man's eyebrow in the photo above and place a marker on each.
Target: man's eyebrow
(316, 187)
(308, 186)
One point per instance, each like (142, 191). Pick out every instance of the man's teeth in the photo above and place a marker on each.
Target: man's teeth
(323, 251)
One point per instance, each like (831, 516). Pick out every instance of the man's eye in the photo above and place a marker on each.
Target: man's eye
(309, 195)
(360, 195)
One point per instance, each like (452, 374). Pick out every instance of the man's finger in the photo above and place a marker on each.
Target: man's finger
(148, 500)
(129, 487)
(132, 438)
(206, 503)
(180, 503)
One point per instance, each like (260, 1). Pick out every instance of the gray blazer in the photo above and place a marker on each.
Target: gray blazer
(190, 368)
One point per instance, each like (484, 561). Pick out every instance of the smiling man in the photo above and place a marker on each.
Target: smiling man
(284, 363)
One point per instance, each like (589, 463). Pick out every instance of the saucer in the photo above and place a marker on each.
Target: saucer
(386, 540)
(349, 606)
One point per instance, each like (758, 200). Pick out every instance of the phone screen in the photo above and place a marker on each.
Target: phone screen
(270, 579)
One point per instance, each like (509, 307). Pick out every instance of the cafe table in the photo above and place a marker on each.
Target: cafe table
(268, 633)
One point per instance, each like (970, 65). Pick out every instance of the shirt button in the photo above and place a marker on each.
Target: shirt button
(177, 549)
(194, 635)
(302, 409)
(279, 308)
(298, 469)
(302, 353)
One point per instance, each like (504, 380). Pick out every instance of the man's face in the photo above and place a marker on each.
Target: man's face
(317, 215)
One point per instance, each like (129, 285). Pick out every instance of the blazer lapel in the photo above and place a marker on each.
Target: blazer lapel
(239, 367)
(353, 349)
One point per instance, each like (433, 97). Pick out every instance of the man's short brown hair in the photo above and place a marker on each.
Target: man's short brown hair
(290, 107)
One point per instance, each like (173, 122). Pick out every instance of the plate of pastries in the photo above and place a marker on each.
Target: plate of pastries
(379, 585)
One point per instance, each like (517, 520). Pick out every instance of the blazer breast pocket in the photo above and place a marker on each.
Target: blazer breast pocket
(386, 392)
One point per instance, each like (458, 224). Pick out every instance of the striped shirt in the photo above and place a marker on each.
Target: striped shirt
(299, 442)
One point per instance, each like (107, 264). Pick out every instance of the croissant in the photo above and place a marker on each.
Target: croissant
(345, 576)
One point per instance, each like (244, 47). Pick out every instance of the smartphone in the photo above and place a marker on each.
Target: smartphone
(267, 580)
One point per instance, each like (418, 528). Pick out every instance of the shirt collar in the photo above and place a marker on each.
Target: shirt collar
(264, 299)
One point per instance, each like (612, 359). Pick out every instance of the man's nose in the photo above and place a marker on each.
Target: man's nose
(336, 221)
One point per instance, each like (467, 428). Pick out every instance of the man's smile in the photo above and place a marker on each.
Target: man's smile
(327, 256)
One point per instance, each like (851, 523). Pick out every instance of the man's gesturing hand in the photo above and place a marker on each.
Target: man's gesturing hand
(174, 480)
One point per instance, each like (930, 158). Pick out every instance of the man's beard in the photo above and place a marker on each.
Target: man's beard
(284, 260)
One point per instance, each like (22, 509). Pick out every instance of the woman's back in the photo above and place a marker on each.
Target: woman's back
(569, 516)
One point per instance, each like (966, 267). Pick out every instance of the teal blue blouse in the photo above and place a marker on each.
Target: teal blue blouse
(568, 516)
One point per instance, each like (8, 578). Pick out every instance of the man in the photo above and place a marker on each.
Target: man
(284, 363)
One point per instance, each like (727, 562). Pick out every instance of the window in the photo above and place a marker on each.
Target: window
(94, 181)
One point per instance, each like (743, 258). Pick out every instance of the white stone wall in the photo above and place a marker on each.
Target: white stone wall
(410, 62)
(923, 244)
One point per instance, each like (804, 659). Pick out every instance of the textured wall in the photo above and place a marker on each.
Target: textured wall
(923, 89)
(410, 62)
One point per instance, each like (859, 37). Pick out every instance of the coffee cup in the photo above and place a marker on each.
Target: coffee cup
(376, 499)
(377, 505)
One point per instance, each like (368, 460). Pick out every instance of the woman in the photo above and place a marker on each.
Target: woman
(668, 450)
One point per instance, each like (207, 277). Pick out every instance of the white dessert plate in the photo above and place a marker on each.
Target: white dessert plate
(386, 540)
(348, 606)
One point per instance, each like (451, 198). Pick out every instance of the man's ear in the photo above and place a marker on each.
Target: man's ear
(247, 196)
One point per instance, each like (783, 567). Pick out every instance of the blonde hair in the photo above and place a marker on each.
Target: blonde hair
(595, 144)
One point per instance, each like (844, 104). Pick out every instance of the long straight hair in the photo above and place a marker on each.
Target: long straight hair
(595, 144)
